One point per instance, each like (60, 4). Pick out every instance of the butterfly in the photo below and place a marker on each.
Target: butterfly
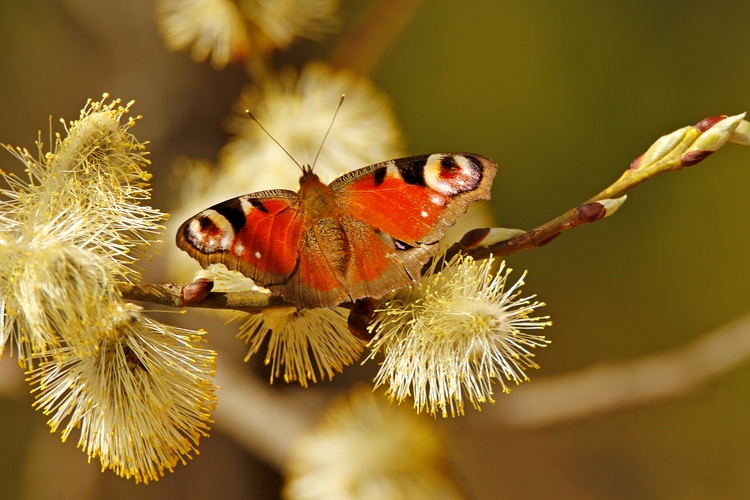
(365, 234)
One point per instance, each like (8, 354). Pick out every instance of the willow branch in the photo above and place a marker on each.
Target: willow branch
(615, 387)
(173, 295)
(682, 148)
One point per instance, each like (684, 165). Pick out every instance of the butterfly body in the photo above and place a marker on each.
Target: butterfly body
(365, 234)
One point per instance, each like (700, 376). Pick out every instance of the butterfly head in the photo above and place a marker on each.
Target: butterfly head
(314, 194)
(308, 175)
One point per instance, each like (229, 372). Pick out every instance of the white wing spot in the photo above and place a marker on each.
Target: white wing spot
(424, 214)
(257, 255)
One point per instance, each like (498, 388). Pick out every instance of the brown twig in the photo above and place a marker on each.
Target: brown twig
(685, 147)
(173, 295)
(539, 236)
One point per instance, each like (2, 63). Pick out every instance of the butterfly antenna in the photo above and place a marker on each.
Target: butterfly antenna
(341, 101)
(251, 115)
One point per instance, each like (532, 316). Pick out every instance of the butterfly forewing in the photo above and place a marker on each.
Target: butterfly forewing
(416, 199)
(257, 234)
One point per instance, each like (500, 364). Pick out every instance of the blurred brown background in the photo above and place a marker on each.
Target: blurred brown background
(563, 95)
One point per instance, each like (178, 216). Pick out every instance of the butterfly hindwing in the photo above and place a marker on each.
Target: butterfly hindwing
(394, 214)
(345, 259)
(387, 265)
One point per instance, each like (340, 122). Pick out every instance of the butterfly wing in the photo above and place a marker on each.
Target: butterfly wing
(366, 234)
(257, 234)
(397, 211)
(416, 199)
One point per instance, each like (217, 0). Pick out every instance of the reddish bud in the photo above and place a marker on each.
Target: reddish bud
(196, 291)
(591, 212)
(709, 122)
(694, 157)
(474, 237)
(636, 163)
(360, 316)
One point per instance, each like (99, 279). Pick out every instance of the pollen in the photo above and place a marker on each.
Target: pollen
(456, 336)
(305, 346)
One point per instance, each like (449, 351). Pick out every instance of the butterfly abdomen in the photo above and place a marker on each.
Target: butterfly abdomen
(332, 240)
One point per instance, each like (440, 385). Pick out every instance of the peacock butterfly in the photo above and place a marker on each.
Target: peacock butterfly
(365, 234)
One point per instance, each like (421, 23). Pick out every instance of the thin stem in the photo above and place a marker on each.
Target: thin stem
(581, 214)
(632, 177)
(172, 295)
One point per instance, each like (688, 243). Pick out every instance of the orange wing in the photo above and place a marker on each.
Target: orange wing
(415, 200)
(396, 212)
(257, 234)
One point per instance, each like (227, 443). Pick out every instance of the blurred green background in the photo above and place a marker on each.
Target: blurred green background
(563, 95)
